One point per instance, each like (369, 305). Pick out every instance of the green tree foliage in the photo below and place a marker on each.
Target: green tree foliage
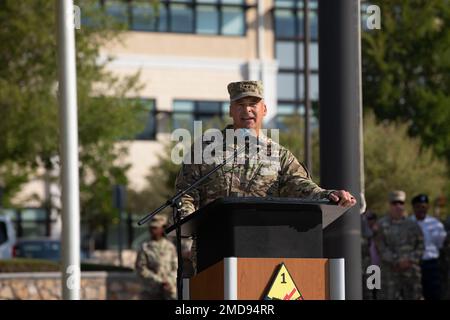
(29, 108)
(394, 161)
(293, 137)
(406, 68)
(160, 185)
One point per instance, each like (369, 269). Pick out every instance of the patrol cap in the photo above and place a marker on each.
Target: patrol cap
(397, 195)
(420, 198)
(247, 88)
(158, 221)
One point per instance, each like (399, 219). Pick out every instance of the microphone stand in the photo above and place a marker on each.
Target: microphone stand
(175, 203)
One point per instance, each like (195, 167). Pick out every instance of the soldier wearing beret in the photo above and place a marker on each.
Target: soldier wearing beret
(285, 177)
(399, 241)
(156, 263)
(434, 237)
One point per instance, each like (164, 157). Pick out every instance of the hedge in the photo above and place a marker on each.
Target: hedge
(37, 265)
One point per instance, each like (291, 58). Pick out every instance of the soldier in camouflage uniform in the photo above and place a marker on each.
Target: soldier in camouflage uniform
(281, 176)
(366, 238)
(156, 264)
(401, 245)
(369, 254)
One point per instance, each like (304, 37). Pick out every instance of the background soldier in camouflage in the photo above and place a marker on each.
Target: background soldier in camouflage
(369, 253)
(156, 264)
(366, 235)
(283, 177)
(400, 244)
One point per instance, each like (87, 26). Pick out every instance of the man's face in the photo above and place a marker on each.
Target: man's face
(156, 233)
(420, 210)
(397, 209)
(248, 113)
(372, 222)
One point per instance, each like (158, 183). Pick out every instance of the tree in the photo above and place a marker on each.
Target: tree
(293, 137)
(406, 68)
(393, 161)
(28, 103)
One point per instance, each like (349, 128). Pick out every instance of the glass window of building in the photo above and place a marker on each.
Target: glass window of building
(314, 25)
(284, 24)
(285, 3)
(208, 107)
(185, 112)
(289, 49)
(286, 86)
(144, 17)
(314, 55)
(219, 17)
(233, 1)
(118, 10)
(301, 87)
(182, 18)
(147, 116)
(207, 18)
(285, 51)
(314, 87)
(233, 21)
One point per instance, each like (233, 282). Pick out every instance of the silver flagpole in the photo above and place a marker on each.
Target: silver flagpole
(68, 124)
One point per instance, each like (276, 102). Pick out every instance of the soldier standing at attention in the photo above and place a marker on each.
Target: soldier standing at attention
(400, 244)
(156, 264)
(284, 177)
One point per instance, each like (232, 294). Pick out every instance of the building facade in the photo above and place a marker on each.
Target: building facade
(187, 51)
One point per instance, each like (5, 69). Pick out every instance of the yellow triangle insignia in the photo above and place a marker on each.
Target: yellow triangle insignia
(283, 286)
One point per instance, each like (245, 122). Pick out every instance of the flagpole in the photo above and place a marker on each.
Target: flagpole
(68, 123)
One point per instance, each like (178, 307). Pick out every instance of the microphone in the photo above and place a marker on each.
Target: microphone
(255, 148)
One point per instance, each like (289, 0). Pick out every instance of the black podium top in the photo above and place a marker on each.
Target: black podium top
(330, 211)
(255, 227)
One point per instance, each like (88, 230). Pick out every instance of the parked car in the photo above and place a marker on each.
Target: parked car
(7, 237)
(40, 248)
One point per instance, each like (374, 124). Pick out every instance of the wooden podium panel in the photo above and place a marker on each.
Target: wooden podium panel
(252, 277)
(209, 284)
(310, 276)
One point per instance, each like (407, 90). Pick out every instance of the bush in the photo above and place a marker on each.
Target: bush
(37, 265)
(28, 265)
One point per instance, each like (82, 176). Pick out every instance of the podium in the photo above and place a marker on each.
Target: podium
(242, 241)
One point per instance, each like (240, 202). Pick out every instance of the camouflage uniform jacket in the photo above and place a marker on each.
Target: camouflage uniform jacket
(280, 176)
(156, 263)
(397, 240)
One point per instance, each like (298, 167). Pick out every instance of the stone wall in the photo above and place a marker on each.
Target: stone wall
(47, 286)
(112, 257)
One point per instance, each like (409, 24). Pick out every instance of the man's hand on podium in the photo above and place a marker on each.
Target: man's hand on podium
(342, 198)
